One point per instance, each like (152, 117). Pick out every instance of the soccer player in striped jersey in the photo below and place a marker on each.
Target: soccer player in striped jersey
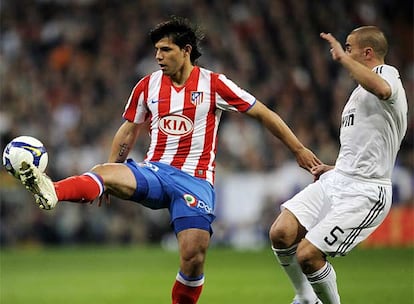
(182, 103)
(351, 199)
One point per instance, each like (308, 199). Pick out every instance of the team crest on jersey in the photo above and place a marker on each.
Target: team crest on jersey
(196, 98)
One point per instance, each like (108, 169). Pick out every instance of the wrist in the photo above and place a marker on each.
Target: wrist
(298, 149)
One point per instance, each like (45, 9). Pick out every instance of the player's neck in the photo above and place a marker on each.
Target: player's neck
(374, 63)
(179, 79)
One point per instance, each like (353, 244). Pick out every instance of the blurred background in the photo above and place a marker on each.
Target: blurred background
(67, 68)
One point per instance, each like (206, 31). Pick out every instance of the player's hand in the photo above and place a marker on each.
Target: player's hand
(306, 159)
(104, 198)
(337, 51)
(318, 170)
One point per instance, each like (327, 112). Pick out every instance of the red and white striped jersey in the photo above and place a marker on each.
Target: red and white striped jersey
(184, 120)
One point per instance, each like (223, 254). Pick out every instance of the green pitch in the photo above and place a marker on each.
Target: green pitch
(145, 275)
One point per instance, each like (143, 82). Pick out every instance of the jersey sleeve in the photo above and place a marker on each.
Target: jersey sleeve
(390, 75)
(230, 97)
(136, 109)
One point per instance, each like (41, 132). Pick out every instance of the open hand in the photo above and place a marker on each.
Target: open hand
(337, 51)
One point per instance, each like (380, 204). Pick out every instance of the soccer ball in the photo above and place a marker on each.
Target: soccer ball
(24, 148)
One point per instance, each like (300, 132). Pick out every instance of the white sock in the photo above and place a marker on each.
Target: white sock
(323, 282)
(287, 259)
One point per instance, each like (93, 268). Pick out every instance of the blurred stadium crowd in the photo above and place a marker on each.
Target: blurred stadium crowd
(67, 68)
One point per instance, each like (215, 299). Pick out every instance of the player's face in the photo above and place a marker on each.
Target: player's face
(170, 57)
(353, 50)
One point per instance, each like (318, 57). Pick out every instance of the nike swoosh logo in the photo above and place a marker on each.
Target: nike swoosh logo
(36, 151)
(154, 101)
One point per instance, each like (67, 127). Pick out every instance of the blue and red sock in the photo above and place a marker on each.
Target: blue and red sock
(82, 188)
(187, 290)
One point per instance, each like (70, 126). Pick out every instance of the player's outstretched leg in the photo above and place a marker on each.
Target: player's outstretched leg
(39, 184)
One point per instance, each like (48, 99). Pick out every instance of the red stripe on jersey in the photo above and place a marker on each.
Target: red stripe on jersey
(163, 109)
(201, 100)
(206, 157)
(189, 110)
(228, 95)
(131, 107)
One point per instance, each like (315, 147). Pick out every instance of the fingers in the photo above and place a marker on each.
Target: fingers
(104, 198)
(314, 163)
(307, 160)
(326, 36)
(319, 169)
(101, 199)
(317, 161)
(315, 170)
(311, 165)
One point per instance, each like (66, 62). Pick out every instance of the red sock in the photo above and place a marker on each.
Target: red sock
(187, 290)
(83, 188)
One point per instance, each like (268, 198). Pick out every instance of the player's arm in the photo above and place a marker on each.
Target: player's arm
(122, 143)
(272, 121)
(124, 140)
(368, 79)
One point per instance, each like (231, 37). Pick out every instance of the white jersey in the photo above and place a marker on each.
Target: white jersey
(184, 120)
(372, 130)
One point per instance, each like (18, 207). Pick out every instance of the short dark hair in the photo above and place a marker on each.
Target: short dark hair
(182, 32)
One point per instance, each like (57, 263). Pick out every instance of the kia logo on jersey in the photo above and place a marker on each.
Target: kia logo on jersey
(176, 125)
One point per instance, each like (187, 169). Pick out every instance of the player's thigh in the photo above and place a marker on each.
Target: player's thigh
(118, 179)
(357, 210)
(310, 205)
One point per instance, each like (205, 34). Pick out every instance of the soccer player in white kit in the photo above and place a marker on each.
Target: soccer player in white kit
(182, 104)
(348, 201)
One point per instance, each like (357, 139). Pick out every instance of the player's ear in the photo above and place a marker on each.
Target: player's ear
(368, 52)
(187, 49)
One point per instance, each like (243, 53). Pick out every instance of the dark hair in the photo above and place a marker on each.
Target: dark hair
(182, 32)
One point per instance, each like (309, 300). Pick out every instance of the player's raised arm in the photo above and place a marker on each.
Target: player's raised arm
(359, 60)
(124, 140)
(272, 121)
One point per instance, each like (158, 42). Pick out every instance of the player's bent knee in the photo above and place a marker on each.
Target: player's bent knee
(117, 178)
(279, 236)
(285, 231)
(98, 169)
(274, 233)
(193, 258)
(192, 263)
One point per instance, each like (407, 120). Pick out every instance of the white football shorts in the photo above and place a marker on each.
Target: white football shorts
(339, 211)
